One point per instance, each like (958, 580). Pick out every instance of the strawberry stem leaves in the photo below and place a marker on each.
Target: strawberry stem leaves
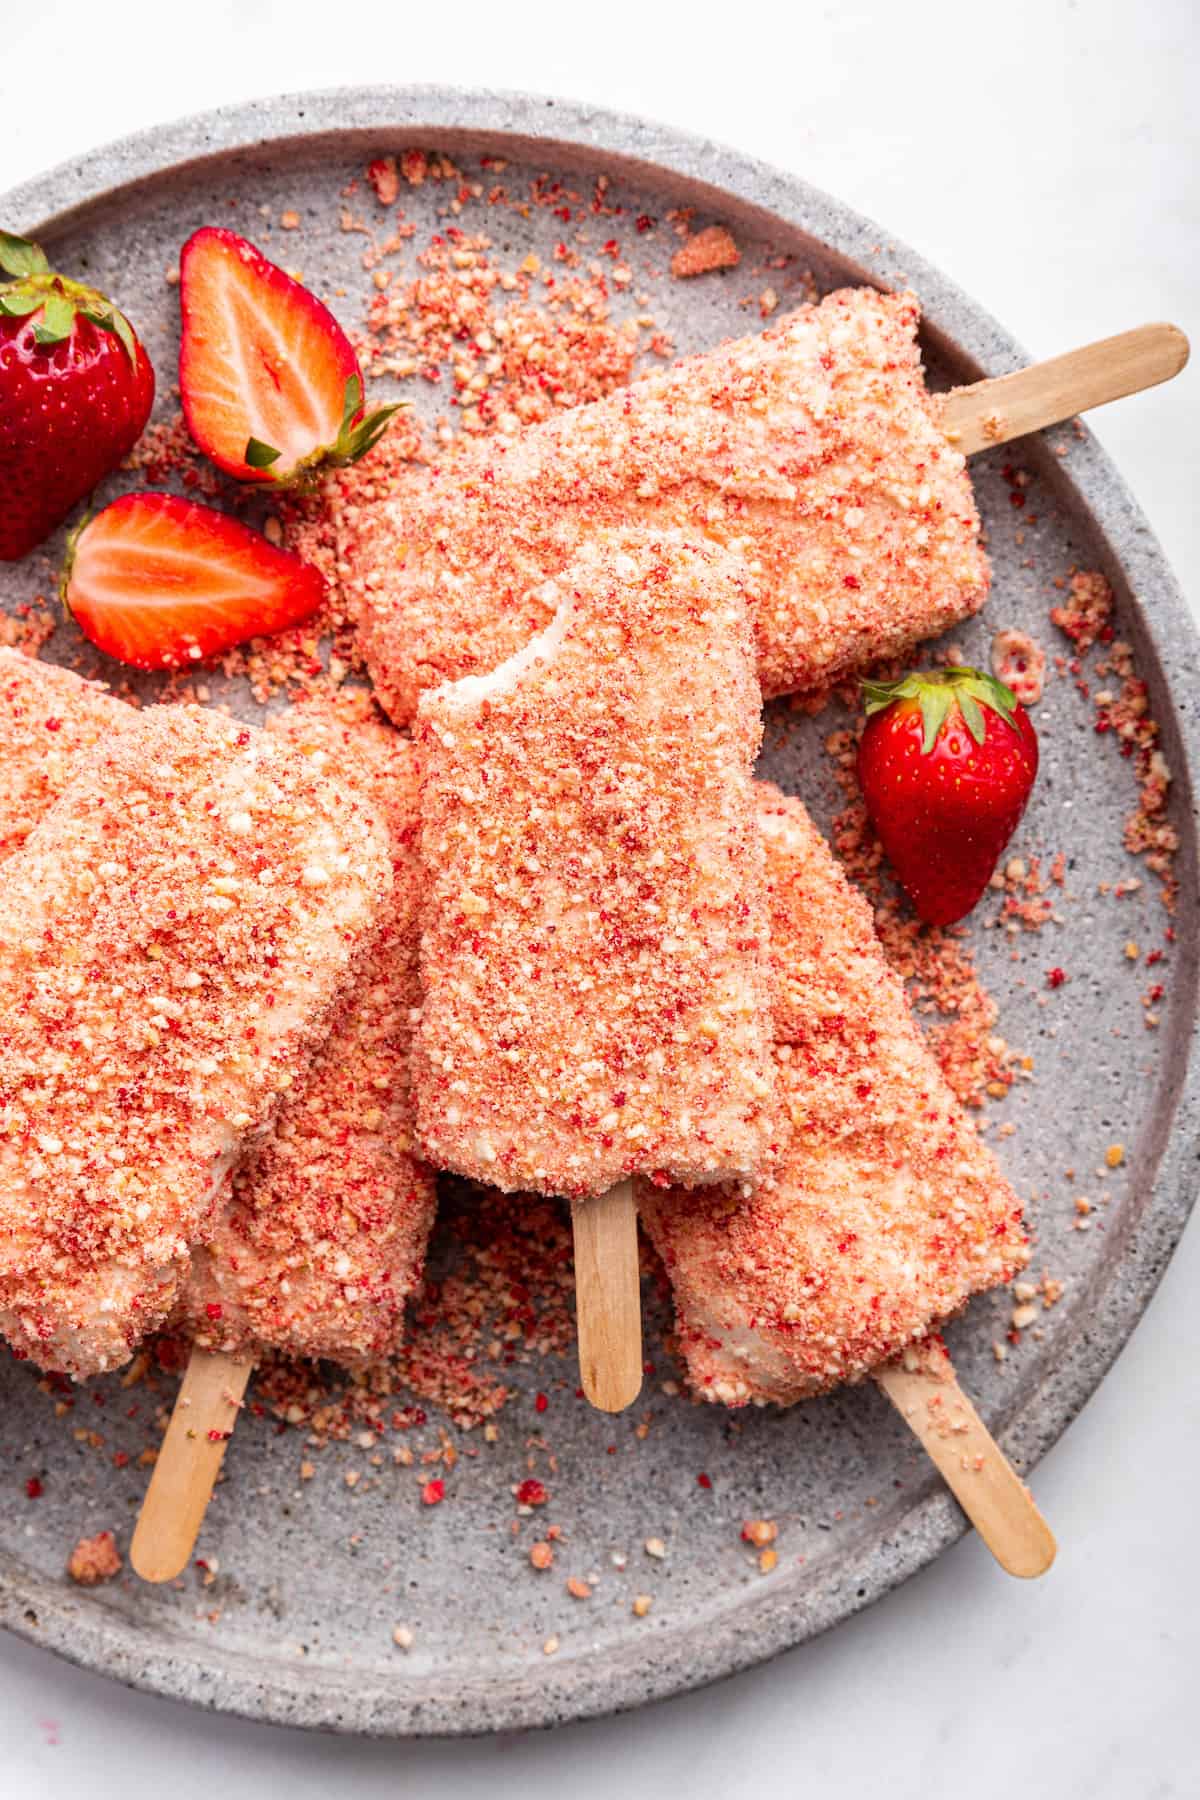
(57, 321)
(20, 258)
(968, 706)
(260, 455)
(367, 433)
(118, 324)
(353, 441)
(352, 400)
(17, 301)
(72, 544)
(37, 289)
(937, 692)
(934, 712)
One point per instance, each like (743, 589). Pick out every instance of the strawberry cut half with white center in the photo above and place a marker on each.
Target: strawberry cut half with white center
(164, 583)
(271, 388)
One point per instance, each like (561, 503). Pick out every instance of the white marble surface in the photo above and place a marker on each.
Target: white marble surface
(1044, 152)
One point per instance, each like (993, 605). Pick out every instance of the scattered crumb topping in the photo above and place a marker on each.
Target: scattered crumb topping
(1020, 663)
(94, 1560)
(712, 248)
(1086, 617)
(1123, 712)
(28, 628)
(507, 1300)
(759, 1532)
(465, 327)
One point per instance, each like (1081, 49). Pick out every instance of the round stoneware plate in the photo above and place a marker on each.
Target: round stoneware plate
(311, 1577)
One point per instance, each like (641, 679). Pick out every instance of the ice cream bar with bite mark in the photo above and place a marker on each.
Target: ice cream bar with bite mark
(593, 956)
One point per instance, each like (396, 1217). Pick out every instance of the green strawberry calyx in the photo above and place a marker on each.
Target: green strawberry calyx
(35, 288)
(937, 692)
(70, 549)
(352, 441)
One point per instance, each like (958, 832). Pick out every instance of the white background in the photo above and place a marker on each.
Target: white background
(1044, 153)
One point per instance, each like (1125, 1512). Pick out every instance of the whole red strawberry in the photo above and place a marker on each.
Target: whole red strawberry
(946, 764)
(76, 389)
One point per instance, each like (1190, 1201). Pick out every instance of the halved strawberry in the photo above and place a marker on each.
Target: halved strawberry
(163, 583)
(270, 384)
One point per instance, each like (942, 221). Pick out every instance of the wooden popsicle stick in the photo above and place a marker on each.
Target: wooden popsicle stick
(924, 1389)
(189, 1462)
(1007, 406)
(608, 1297)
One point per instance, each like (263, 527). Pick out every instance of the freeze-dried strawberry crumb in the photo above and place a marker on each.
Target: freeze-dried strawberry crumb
(1122, 712)
(508, 361)
(710, 249)
(28, 628)
(505, 1299)
(1027, 906)
(759, 1532)
(385, 179)
(1020, 662)
(94, 1560)
(1087, 613)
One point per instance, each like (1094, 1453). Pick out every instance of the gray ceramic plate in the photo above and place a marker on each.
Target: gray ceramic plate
(305, 1628)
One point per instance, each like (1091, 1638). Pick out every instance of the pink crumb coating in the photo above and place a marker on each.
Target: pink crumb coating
(47, 716)
(593, 955)
(813, 448)
(325, 1234)
(712, 248)
(1019, 661)
(174, 933)
(883, 1211)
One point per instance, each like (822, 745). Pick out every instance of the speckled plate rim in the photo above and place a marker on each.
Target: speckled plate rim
(90, 1634)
